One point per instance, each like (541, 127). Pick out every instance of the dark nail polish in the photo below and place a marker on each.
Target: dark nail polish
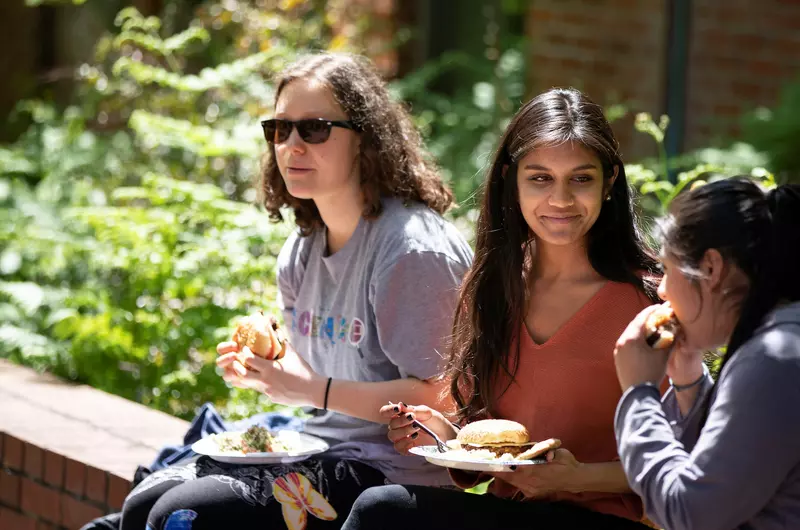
(415, 425)
(397, 409)
(410, 417)
(414, 436)
(513, 468)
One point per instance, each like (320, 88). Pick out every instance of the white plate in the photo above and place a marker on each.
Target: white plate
(303, 446)
(460, 460)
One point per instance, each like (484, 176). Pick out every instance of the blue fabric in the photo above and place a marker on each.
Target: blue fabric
(180, 520)
(208, 421)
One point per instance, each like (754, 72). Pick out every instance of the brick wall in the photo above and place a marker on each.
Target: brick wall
(741, 54)
(68, 452)
(41, 489)
(614, 50)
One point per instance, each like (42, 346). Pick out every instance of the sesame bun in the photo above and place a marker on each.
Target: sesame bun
(485, 433)
(262, 335)
(661, 327)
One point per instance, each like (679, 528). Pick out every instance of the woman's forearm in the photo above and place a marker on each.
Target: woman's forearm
(607, 477)
(364, 400)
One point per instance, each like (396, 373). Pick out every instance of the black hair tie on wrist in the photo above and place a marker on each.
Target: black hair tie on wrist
(327, 391)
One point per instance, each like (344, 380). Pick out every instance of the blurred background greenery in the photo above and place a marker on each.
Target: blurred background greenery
(129, 237)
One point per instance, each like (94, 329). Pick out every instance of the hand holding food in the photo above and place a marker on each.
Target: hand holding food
(643, 349)
(561, 473)
(262, 334)
(662, 327)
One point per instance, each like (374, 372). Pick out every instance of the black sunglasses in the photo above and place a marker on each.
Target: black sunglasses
(312, 131)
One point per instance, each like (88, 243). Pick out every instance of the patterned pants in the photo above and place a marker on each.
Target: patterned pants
(312, 494)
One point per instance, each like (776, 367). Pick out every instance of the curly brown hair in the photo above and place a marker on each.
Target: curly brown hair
(392, 158)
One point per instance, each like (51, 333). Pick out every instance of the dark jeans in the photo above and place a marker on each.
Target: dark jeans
(312, 494)
(422, 508)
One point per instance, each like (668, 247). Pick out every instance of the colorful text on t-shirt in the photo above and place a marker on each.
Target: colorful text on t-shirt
(317, 324)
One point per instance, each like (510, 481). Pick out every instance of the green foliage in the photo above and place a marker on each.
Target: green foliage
(128, 241)
(131, 294)
(652, 178)
(776, 132)
(463, 129)
(34, 3)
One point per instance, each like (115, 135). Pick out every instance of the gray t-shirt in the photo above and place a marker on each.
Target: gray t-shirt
(379, 309)
(741, 469)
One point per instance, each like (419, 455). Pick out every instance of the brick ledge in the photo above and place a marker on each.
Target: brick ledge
(69, 451)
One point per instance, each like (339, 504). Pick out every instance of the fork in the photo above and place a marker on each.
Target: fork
(440, 445)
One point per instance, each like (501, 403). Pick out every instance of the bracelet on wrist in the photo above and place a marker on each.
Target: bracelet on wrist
(327, 391)
(681, 388)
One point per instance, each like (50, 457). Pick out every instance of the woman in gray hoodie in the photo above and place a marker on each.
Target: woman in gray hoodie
(727, 454)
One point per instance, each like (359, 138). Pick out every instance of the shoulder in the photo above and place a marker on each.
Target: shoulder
(294, 253)
(413, 228)
(778, 338)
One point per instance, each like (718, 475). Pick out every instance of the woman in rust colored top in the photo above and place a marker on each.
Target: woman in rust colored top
(560, 269)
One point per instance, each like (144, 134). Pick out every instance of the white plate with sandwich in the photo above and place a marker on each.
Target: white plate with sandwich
(489, 445)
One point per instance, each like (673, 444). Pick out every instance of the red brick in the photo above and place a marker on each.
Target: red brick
(40, 500)
(32, 461)
(96, 484)
(541, 15)
(75, 513)
(118, 489)
(767, 68)
(54, 469)
(9, 490)
(10, 520)
(74, 476)
(12, 452)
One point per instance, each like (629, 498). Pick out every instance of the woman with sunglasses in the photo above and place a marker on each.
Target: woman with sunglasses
(725, 454)
(368, 286)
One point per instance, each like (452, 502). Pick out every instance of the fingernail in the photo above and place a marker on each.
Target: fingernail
(397, 409)
(414, 436)
(512, 468)
(415, 425)
(410, 417)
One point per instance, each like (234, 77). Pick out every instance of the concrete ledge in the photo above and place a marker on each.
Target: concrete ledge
(70, 451)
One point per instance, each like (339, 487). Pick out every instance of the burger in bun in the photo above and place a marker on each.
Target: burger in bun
(661, 327)
(262, 334)
(501, 437)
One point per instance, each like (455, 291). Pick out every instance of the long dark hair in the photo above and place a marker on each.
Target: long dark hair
(757, 231)
(493, 294)
(392, 159)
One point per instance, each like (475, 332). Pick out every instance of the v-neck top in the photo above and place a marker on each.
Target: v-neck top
(567, 388)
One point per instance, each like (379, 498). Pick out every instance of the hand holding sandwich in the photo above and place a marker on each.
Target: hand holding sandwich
(561, 473)
(260, 358)
(643, 350)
